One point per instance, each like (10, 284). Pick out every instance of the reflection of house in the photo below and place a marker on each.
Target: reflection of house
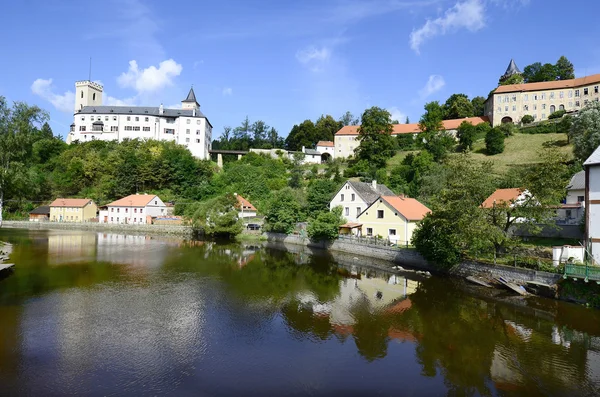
(592, 203)
(40, 214)
(64, 247)
(72, 210)
(246, 209)
(393, 217)
(355, 197)
(135, 209)
(571, 212)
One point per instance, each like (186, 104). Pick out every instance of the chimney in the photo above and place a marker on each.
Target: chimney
(374, 184)
(161, 109)
(194, 112)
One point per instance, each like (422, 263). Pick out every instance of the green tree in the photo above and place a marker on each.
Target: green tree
(375, 136)
(282, 212)
(585, 131)
(297, 172)
(478, 106)
(326, 127)
(348, 119)
(218, 217)
(514, 79)
(435, 139)
(318, 195)
(303, 134)
(564, 69)
(432, 121)
(325, 226)
(407, 121)
(527, 119)
(458, 106)
(494, 142)
(466, 133)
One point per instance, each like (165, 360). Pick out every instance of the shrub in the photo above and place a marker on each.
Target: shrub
(494, 141)
(527, 119)
(466, 133)
(407, 142)
(508, 129)
(557, 115)
(283, 211)
(544, 127)
(326, 225)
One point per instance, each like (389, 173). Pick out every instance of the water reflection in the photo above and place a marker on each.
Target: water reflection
(112, 314)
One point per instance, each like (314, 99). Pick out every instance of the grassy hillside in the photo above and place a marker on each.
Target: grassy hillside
(520, 149)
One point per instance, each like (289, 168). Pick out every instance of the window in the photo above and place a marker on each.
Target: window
(577, 104)
(187, 139)
(118, 210)
(347, 211)
(169, 131)
(585, 91)
(561, 107)
(105, 118)
(134, 219)
(146, 119)
(552, 108)
(91, 118)
(505, 98)
(114, 128)
(570, 94)
(543, 106)
(146, 128)
(576, 93)
(551, 95)
(117, 219)
(506, 108)
(82, 128)
(112, 210)
(347, 186)
(358, 211)
(525, 107)
(187, 131)
(369, 231)
(534, 106)
(342, 198)
(352, 197)
(514, 98)
(126, 210)
(392, 232)
(197, 140)
(128, 118)
(379, 214)
(141, 210)
(543, 96)
(197, 132)
(137, 119)
(114, 118)
(198, 122)
(580, 199)
(514, 108)
(568, 213)
(155, 202)
(535, 97)
(526, 97)
(543, 116)
(82, 94)
(189, 121)
(141, 221)
(595, 89)
(561, 94)
(128, 128)
(499, 109)
(94, 96)
(156, 120)
(111, 218)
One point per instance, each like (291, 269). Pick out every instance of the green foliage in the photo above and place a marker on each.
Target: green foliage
(466, 133)
(431, 122)
(374, 134)
(439, 144)
(297, 172)
(585, 131)
(407, 142)
(218, 217)
(478, 106)
(557, 115)
(319, 193)
(247, 135)
(458, 106)
(308, 133)
(435, 239)
(408, 178)
(562, 70)
(527, 119)
(282, 212)
(435, 139)
(348, 119)
(325, 226)
(494, 141)
(514, 79)
(543, 127)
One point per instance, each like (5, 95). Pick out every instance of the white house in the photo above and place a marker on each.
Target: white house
(136, 209)
(186, 126)
(245, 207)
(311, 156)
(355, 197)
(327, 150)
(571, 212)
(592, 203)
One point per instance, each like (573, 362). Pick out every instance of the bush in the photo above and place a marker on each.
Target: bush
(435, 240)
(283, 211)
(407, 142)
(218, 217)
(543, 127)
(508, 129)
(494, 141)
(466, 133)
(527, 119)
(326, 225)
(557, 115)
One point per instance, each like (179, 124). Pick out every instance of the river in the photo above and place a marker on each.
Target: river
(105, 314)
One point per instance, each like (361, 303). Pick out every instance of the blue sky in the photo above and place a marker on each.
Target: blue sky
(282, 61)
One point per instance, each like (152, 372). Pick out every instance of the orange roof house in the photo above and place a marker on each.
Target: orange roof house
(68, 202)
(549, 85)
(505, 196)
(414, 127)
(134, 209)
(245, 207)
(134, 200)
(410, 208)
(325, 143)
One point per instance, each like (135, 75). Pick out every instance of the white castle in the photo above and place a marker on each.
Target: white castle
(186, 126)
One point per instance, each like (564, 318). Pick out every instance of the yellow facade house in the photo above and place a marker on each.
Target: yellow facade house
(393, 218)
(73, 210)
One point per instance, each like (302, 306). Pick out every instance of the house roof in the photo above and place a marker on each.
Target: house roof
(41, 210)
(191, 97)
(325, 143)
(140, 111)
(133, 200)
(312, 152)
(67, 202)
(502, 195)
(367, 193)
(245, 204)
(549, 85)
(594, 159)
(410, 208)
(577, 181)
(414, 128)
(351, 225)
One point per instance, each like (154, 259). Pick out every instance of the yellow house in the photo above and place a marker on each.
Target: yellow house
(393, 218)
(73, 210)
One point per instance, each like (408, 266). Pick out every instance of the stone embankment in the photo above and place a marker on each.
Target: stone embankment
(169, 230)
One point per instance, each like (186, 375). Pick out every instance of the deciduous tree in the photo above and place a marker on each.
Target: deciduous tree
(374, 134)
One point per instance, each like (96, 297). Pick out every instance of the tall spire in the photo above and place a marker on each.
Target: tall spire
(191, 97)
(512, 69)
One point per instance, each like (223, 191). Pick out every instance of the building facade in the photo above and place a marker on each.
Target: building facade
(355, 197)
(73, 210)
(509, 103)
(186, 126)
(592, 204)
(136, 209)
(572, 210)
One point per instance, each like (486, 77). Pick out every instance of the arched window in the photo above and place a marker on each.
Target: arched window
(94, 96)
(552, 108)
(562, 107)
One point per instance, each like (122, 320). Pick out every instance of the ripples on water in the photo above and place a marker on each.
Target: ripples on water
(108, 314)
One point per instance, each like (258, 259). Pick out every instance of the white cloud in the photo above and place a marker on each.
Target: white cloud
(64, 102)
(227, 91)
(150, 79)
(397, 114)
(468, 14)
(313, 54)
(175, 106)
(434, 84)
(510, 3)
(112, 101)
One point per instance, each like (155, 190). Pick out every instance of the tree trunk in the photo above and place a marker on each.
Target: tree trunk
(1, 203)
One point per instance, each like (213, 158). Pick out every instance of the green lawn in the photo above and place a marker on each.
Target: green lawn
(398, 158)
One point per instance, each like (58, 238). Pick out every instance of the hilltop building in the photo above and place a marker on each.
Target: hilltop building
(511, 70)
(187, 126)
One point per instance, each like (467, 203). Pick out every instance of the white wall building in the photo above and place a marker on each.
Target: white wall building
(571, 212)
(592, 203)
(136, 209)
(355, 197)
(186, 126)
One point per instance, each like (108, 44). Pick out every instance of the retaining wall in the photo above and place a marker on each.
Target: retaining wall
(173, 230)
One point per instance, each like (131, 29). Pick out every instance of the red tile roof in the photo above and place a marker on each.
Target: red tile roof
(502, 195)
(67, 202)
(325, 143)
(414, 128)
(410, 208)
(133, 200)
(549, 85)
(245, 204)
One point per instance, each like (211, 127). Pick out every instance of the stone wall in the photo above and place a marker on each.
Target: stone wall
(174, 230)
(560, 231)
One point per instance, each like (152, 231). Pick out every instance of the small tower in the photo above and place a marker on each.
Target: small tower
(511, 70)
(190, 102)
(87, 93)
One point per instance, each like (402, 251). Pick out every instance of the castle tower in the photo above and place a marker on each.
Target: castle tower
(190, 102)
(87, 93)
(511, 70)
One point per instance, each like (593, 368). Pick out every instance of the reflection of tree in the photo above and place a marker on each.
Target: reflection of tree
(305, 323)
(370, 332)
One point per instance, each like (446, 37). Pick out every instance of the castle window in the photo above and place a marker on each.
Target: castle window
(525, 97)
(561, 94)
(585, 91)
(543, 106)
(146, 128)
(197, 132)
(552, 108)
(94, 96)
(114, 118)
(187, 139)
(82, 128)
(187, 131)
(526, 107)
(82, 94)
(197, 140)
(514, 98)
(105, 118)
(576, 103)
(551, 95)
(506, 108)
(136, 128)
(514, 108)
(137, 119)
(534, 107)
(543, 96)
(114, 128)
(146, 119)
(198, 121)
(189, 121)
(595, 89)
(561, 107)
(576, 93)
(128, 118)
(570, 94)
(92, 118)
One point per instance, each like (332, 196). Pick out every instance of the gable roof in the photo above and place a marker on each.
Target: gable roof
(244, 204)
(67, 202)
(41, 210)
(312, 152)
(411, 209)
(594, 159)
(502, 195)
(367, 193)
(414, 128)
(549, 85)
(153, 111)
(133, 200)
(325, 143)
(191, 97)
(577, 181)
